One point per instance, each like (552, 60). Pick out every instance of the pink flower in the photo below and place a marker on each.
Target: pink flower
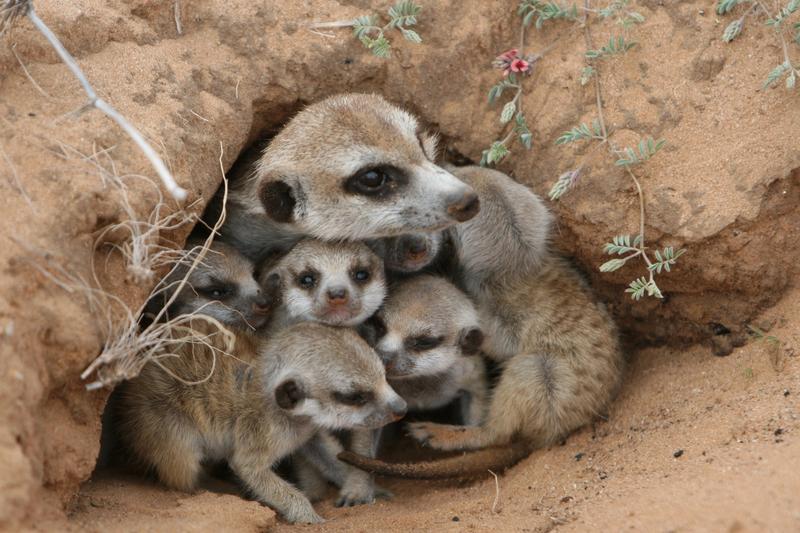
(520, 65)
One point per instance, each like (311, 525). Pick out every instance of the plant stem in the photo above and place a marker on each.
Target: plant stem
(95, 101)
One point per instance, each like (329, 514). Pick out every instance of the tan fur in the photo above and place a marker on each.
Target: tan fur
(254, 407)
(313, 161)
(558, 347)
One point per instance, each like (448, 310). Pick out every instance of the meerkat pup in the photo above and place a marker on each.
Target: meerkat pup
(339, 284)
(222, 286)
(350, 167)
(558, 347)
(305, 378)
(429, 339)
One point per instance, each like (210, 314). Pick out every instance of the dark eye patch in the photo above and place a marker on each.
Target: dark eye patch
(361, 274)
(380, 181)
(422, 343)
(218, 290)
(307, 279)
(357, 398)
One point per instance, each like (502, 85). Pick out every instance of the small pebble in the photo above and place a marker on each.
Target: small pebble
(786, 392)
(677, 453)
(602, 475)
(778, 432)
(579, 456)
(456, 519)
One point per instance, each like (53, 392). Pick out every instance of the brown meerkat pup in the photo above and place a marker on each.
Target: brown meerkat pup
(305, 378)
(558, 346)
(339, 284)
(223, 286)
(428, 337)
(350, 167)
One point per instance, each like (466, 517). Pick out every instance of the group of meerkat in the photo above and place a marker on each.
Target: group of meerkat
(360, 280)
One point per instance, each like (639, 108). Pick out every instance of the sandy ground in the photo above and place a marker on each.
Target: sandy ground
(693, 443)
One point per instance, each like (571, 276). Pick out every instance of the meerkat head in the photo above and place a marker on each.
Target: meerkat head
(329, 375)
(355, 167)
(424, 327)
(340, 284)
(222, 286)
(409, 253)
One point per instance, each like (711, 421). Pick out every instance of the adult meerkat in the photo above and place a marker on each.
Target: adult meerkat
(339, 284)
(558, 347)
(304, 378)
(350, 167)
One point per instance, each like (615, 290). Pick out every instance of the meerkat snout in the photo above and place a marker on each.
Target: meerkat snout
(340, 284)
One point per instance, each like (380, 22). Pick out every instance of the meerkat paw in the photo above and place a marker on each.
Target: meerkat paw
(441, 436)
(303, 515)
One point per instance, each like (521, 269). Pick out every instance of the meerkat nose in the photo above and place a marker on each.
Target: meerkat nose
(464, 206)
(337, 295)
(417, 248)
(398, 406)
(261, 305)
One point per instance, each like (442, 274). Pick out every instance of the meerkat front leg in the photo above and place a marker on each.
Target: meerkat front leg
(475, 391)
(356, 486)
(310, 481)
(254, 468)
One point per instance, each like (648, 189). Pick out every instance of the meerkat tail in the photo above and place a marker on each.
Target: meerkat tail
(469, 465)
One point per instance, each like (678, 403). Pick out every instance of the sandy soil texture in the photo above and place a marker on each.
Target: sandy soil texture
(726, 188)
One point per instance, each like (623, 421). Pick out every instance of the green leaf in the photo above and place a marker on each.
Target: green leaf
(494, 154)
(404, 13)
(791, 79)
(565, 182)
(621, 244)
(775, 75)
(724, 6)
(639, 287)
(508, 112)
(586, 74)
(647, 149)
(380, 47)
(579, 132)
(612, 265)
(363, 25)
(411, 35)
(732, 31)
(665, 259)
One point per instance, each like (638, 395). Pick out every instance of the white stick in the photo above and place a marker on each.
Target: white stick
(172, 187)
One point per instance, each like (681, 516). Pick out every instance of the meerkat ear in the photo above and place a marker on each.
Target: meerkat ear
(279, 200)
(289, 394)
(470, 340)
(430, 144)
(372, 330)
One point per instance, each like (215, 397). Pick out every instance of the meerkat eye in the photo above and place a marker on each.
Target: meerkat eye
(307, 280)
(356, 399)
(361, 275)
(423, 342)
(218, 291)
(377, 181)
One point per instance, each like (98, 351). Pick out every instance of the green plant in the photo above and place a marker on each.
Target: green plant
(787, 69)
(372, 35)
(627, 246)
